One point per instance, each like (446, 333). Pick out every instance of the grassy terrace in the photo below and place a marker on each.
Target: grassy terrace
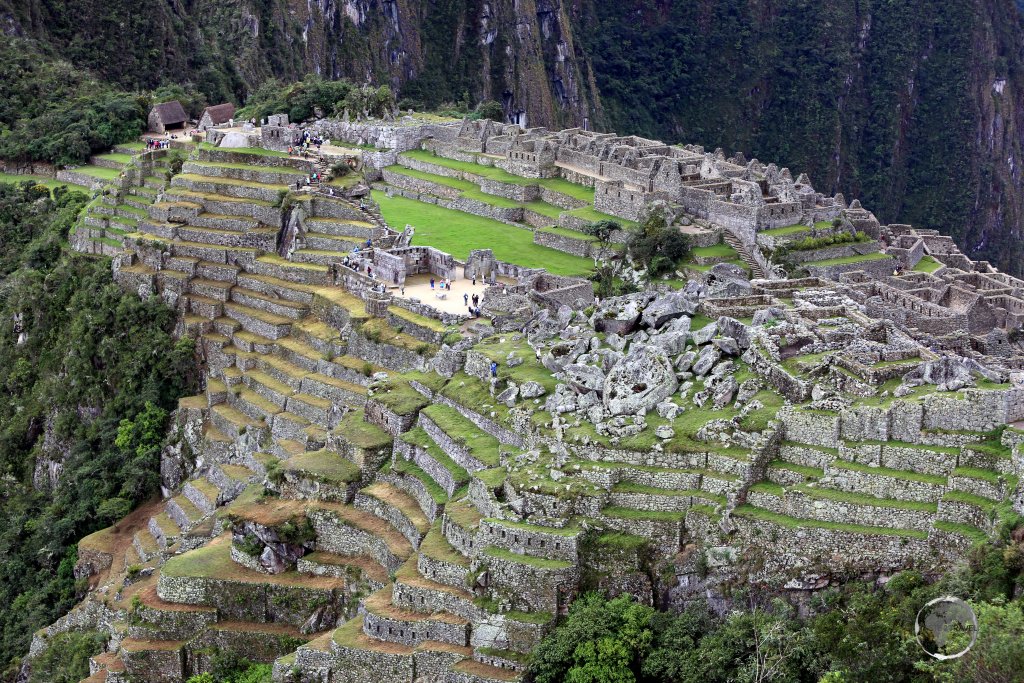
(457, 233)
(796, 229)
(41, 180)
(906, 475)
(842, 260)
(255, 151)
(760, 514)
(927, 264)
(581, 192)
(716, 250)
(536, 562)
(591, 214)
(98, 172)
(472, 191)
(249, 167)
(418, 437)
(480, 444)
(115, 157)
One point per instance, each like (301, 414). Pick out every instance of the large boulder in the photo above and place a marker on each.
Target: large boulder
(672, 337)
(621, 314)
(639, 381)
(668, 307)
(584, 377)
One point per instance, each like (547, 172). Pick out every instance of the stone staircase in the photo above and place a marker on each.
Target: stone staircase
(756, 271)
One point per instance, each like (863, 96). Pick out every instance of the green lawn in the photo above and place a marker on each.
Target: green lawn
(788, 230)
(715, 250)
(927, 264)
(857, 258)
(257, 151)
(98, 172)
(591, 214)
(116, 156)
(457, 233)
(471, 190)
(41, 180)
(581, 192)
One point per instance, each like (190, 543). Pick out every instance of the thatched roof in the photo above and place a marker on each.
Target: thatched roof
(220, 113)
(171, 112)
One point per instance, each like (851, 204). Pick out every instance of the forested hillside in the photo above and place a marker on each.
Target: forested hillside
(88, 374)
(914, 107)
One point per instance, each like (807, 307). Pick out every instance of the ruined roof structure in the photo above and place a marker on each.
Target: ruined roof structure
(375, 486)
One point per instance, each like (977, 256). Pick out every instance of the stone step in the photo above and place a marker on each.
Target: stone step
(416, 593)
(472, 671)
(323, 242)
(313, 408)
(260, 322)
(184, 512)
(221, 272)
(531, 539)
(292, 427)
(464, 442)
(340, 227)
(397, 507)
(251, 343)
(231, 421)
(383, 621)
(249, 403)
(428, 456)
(640, 497)
(264, 239)
(231, 480)
(203, 306)
(334, 390)
(162, 229)
(213, 289)
(145, 545)
(323, 257)
(220, 221)
(299, 354)
(143, 657)
(346, 530)
(277, 288)
(268, 303)
(203, 494)
(268, 387)
(282, 269)
(265, 192)
(341, 566)
(164, 529)
(439, 561)
(282, 370)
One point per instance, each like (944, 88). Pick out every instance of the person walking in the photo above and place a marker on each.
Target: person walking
(465, 299)
(431, 283)
(494, 369)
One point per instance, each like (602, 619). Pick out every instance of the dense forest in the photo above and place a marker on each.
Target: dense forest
(89, 374)
(857, 633)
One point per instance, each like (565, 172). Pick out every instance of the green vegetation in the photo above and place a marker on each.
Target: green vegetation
(927, 264)
(228, 667)
(49, 183)
(796, 523)
(66, 657)
(98, 372)
(50, 111)
(907, 475)
(457, 233)
(480, 444)
(858, 633)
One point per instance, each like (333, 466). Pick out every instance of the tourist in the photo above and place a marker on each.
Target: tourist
(465, 298)
(431, 283)
(494, 369)
(402, 289)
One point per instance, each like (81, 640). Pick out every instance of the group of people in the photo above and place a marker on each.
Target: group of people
(154, 144)
(444, 284)
(308, 141)
(314, 178)
(474, 310)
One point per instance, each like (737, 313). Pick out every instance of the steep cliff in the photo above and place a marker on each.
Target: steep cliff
(915, 106)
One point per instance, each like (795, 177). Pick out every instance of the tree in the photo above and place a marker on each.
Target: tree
(607, 263)
(656, 245)
(491, 110)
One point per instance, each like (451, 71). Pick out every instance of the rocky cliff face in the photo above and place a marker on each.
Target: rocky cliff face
(915, 107)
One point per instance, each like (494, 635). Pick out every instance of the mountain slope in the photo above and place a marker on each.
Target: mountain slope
(914, 107)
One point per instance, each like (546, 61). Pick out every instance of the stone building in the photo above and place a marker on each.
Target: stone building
(167, 116)
(216, 115)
